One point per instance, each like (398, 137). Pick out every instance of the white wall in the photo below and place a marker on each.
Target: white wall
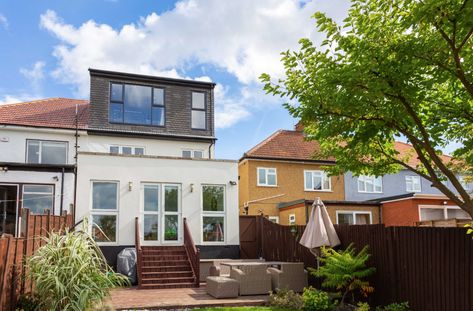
(154, 169)
(29, 177)
(13, 141)
(155, 147)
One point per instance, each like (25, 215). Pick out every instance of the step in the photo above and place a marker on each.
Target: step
(162, 263)
(183, 268)
(168, 285)
(164, 252)
(167, 280)
(167, 274)
(163, 248)
(163, 257)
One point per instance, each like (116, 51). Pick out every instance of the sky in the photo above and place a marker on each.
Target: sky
(47, 46)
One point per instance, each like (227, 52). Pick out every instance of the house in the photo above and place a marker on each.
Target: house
(143, 146)
(279, 176)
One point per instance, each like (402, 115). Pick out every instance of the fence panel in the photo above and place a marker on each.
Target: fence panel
(14, 250)
(430, 267)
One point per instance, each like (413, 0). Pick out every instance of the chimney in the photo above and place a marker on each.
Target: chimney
(299, 127)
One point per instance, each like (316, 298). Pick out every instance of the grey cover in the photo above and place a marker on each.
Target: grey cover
(126, 263)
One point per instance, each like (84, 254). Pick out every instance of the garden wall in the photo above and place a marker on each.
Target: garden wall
(431, 268)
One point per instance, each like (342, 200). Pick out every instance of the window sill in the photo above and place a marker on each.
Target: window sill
(370, 192)
(268, 186)
(328, 191)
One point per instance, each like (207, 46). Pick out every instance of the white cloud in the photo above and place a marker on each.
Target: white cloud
(3, 21)
(35, 75)
(13, 99)
(243, 38)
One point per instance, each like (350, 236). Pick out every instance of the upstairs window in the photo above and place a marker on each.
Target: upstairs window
(370, 184)
(317, 181)
(198, 111)
(267, 177)
(46, 152)
(136, 104)
(413, 184)
(127, 150)
(188, 153)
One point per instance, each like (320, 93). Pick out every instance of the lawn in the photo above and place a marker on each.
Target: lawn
(242, 309)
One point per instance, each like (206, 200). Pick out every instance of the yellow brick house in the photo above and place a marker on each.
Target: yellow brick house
(281, 170)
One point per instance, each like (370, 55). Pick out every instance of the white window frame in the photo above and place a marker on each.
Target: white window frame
(410, 180)
(192, 152)
(354, 213)
(133, 150)
(323, 175)
(114, 212)
(266, 174)
(40, 151)
(274, 219)
(445, 209)
(367, 178)
(161, 213)
(292, 219)
(52, 193)
(213, 214)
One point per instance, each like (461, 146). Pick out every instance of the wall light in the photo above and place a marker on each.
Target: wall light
(192, 187)
(55, 178)
(232, 182)
(130, 185)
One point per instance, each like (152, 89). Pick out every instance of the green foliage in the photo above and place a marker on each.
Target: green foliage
(363, 306)
(286, 299)
(70, 272)
(392, 68)
(27, 303)
(316, 300)
(469, 229)
(404, 306)
(345, 270)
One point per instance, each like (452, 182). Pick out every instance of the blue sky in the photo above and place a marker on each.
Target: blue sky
(47, 46)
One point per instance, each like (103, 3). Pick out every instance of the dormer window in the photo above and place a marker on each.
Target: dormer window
(198, 111)
(136, 104)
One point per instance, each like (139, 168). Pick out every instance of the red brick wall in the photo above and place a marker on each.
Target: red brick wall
(406, 212)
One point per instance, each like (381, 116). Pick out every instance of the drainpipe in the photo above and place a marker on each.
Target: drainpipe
(62, 193)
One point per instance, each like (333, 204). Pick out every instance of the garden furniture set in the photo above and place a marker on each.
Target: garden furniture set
(254, 278)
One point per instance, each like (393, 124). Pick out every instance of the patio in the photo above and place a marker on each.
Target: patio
(132, 298)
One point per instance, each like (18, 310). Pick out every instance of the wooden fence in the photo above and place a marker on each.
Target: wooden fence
(13, 251)
(431, 268)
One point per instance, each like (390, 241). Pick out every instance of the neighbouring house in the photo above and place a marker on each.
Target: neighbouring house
(279, 175)
(145, 148)
(37, 157)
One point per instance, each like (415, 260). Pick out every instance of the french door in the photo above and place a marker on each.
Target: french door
(161, 214)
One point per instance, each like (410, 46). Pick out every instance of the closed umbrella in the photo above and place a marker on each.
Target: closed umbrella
(319, 230)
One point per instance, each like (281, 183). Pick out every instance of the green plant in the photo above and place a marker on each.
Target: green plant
(469, 229)
(27, 303)
(345, 270)
(404, 306)
(363, 306)
(70, 272)
(316, 300)
(285, 299)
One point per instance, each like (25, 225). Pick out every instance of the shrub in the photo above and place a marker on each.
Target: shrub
(285, 299)
(404, 306)
(344, 271)
(70, 272)
(363, 306)
(315, 300)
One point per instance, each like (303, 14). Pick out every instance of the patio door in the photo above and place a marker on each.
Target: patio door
(161, 214)
(8, 209)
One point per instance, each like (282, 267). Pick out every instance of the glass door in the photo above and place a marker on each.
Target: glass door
(172, 214)
(151, 207)
(8, 209)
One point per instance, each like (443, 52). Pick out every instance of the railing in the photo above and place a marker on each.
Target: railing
(193, 253)
(139, 251)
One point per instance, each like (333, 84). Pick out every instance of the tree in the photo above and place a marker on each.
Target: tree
(399, 68)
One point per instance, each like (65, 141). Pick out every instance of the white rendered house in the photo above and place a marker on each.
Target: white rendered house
(142, 146)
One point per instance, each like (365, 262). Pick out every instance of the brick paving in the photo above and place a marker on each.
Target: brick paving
(179, 298)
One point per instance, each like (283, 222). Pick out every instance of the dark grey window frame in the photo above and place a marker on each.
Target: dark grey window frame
(122, 102)
(47, 140)
(200, 109)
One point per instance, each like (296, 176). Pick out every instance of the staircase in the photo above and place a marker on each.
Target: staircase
(167, 266)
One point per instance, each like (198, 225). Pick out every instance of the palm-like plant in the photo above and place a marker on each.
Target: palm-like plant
(345, 271)
(70, 272)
